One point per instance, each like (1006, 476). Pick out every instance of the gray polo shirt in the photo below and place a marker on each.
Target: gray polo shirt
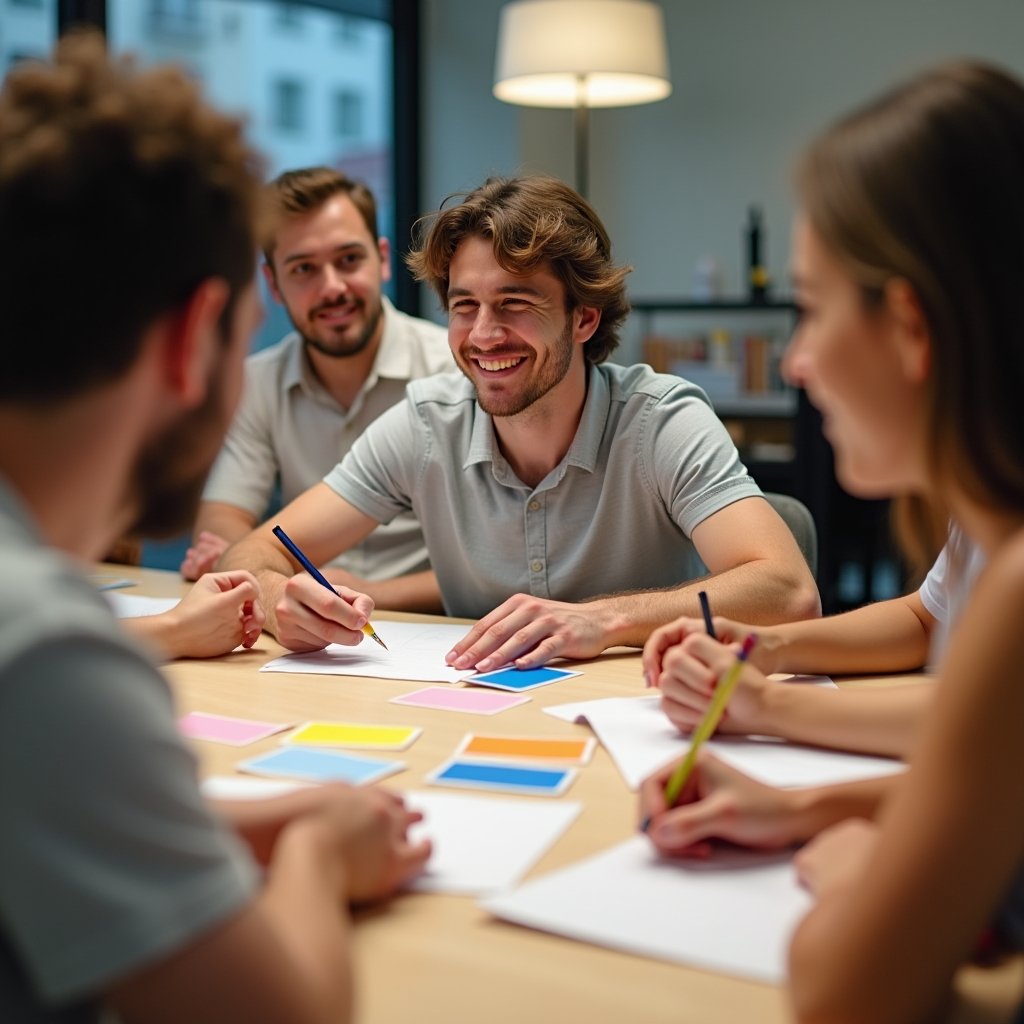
(649, 462)
(289, 428)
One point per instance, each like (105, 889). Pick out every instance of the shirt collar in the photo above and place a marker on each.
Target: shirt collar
(394, 359)
(586, 444)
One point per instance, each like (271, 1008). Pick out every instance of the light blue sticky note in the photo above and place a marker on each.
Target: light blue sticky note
(320, 766)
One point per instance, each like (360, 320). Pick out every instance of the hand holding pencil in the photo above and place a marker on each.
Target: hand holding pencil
(310, 636)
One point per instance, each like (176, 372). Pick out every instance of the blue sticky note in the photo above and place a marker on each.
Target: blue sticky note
(320, 766)
(521, 678)
(506, 778)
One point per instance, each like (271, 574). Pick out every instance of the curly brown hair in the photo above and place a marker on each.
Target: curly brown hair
(121, 190)
(532, 221)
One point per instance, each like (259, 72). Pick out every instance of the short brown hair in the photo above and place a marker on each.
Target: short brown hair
(924, 185)
(306, 189)
(120, 192)
(532, 221)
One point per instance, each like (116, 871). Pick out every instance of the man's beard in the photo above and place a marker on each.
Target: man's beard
(342, 349)
(552, 375)
(172, 469)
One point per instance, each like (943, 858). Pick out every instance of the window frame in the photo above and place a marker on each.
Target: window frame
(404, 19)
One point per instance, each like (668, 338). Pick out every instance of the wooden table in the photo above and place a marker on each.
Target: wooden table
(436, 958)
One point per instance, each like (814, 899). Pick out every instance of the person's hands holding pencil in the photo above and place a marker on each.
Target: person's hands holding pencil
(717, 802)
(313, 613)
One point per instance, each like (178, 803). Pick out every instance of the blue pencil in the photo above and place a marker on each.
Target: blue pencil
(318, 576)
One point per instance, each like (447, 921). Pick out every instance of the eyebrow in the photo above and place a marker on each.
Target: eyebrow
(508, 289)
(347, 247)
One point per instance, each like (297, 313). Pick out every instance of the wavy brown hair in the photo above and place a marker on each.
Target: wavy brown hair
(120, 192)
(306, 189)
(925, 184)
(532, 222)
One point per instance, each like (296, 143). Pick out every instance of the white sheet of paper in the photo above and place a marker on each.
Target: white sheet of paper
(416, 650)
(231, 787)
(131, 606)
(480, 845)
(640, 739)
(483, 845)
(733, 913)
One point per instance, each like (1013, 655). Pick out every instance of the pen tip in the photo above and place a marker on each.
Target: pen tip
(645, 824)
(378, 639)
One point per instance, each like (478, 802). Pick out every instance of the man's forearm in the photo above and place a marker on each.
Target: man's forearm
(417, 592)
(227, 521)
(268, 564)
(756, 592)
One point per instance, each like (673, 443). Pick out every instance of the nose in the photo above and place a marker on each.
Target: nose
(795, 361)
(333, 282)
(487, 327)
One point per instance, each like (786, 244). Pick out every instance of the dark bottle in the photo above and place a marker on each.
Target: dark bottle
(757, 276)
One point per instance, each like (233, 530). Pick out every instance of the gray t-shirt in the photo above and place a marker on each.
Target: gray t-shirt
(109, 857)
(649, 462)
(290, 430)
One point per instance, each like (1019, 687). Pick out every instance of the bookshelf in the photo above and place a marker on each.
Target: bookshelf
(776, 429)
(732, 349)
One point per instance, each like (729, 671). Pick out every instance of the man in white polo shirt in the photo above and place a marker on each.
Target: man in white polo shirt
(543, 476)
(309, 397)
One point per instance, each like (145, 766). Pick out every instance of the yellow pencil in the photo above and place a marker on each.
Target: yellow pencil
(706, 726)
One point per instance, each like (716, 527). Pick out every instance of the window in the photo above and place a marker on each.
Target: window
(287, 105)
(348, 114)
(29, 31)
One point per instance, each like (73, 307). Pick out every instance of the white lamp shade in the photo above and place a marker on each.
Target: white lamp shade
(594, 53)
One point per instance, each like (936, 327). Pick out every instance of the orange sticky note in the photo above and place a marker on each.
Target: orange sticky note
(566, 749)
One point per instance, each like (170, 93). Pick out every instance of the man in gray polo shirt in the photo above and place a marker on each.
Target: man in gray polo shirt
(309, 397)
(543, 476)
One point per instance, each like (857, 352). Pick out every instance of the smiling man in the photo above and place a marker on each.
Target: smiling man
(543, 476)
(309, 397)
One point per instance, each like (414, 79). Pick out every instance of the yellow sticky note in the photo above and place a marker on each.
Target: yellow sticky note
(354, 734)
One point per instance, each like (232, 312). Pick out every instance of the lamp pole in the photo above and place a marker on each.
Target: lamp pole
(581, 136)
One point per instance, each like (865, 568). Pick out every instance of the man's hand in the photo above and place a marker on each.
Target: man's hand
(364, 830)
(203, 555)
(309, 616)
(220, 612)
(530, 631)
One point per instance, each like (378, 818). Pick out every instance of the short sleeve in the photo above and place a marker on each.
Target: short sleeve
(246, 468)
(109, 857)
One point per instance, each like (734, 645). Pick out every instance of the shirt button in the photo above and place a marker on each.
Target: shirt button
(537, 565)
(534, 505)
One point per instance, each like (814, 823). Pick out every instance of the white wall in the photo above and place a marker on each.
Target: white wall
(752, 80)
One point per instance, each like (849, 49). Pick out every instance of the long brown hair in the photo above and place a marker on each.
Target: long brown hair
(927, 184)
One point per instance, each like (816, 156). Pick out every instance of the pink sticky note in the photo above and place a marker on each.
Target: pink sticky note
(476, 702)
(198, 725)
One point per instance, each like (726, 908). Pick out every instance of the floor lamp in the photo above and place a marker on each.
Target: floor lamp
(581, 54)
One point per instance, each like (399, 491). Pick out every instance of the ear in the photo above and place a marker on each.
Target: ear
(911, 332)
(384, 248)
(587, 319)
(192, 339)
(271, 278)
